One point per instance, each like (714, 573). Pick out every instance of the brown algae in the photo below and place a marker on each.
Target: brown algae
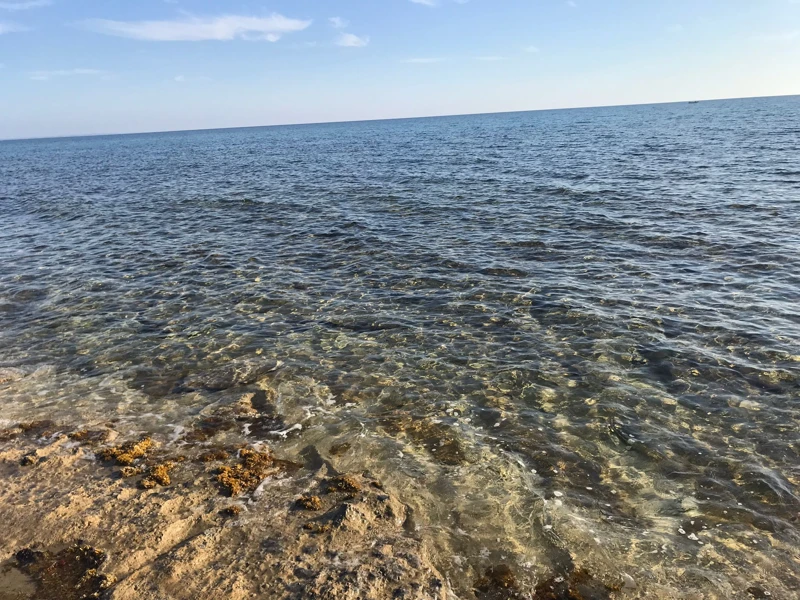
(127, 472)
(158, 475)
(344, 483)
(252, 469)
(309, 502)
(127, 453)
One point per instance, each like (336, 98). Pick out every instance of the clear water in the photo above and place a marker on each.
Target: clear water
(561, 333)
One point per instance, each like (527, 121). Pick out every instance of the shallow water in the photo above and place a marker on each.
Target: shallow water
(559, 336)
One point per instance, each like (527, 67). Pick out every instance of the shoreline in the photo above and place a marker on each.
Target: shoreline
(222, 521)
(186, 510)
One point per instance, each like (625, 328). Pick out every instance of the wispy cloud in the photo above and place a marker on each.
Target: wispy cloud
(350, 40)
(196, 29)
(490, 58)
(531, 49)
(46, 75)
(338, 22)
(572, 4)
(24, 5)
(11, 28)
(423, 61)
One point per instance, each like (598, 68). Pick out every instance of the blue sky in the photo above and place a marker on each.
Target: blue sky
(85, 67)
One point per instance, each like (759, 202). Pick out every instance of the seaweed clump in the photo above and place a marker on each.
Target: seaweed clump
(231, 511)
(32, 429)
(71, 574)
(127, 472)
(309, 502)
(158, 475)
(127, 453)
(344, 483)
(253, 468)
(30, 459)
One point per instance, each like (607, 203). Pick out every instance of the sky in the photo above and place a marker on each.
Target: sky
(71, 67)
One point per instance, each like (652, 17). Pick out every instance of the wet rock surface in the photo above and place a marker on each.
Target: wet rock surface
(344, 538)
(68, 574)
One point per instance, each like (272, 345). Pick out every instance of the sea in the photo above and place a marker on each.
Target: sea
(553, 333)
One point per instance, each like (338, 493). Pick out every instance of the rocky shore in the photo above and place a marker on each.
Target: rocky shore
(88, 515)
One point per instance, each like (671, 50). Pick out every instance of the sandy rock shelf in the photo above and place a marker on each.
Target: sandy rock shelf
(74, 526)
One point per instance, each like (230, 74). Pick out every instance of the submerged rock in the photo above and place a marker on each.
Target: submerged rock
(438, 439)
(239, 372)
(498, 583)
(9, 374)
(90, 437)
(71, 574)
(577, 585)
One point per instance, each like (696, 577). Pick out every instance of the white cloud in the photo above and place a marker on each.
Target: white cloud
(11, 28)
(338, 22)
(490, 58)
(423, 61)
(531, 49)
(350, 40)
(180, 78)
(46, 75)
(24, 5)
(195, 29)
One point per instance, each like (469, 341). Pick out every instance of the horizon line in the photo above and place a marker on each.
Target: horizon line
(379, 119)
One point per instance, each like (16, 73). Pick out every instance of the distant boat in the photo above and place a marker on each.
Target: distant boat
(694, 101)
